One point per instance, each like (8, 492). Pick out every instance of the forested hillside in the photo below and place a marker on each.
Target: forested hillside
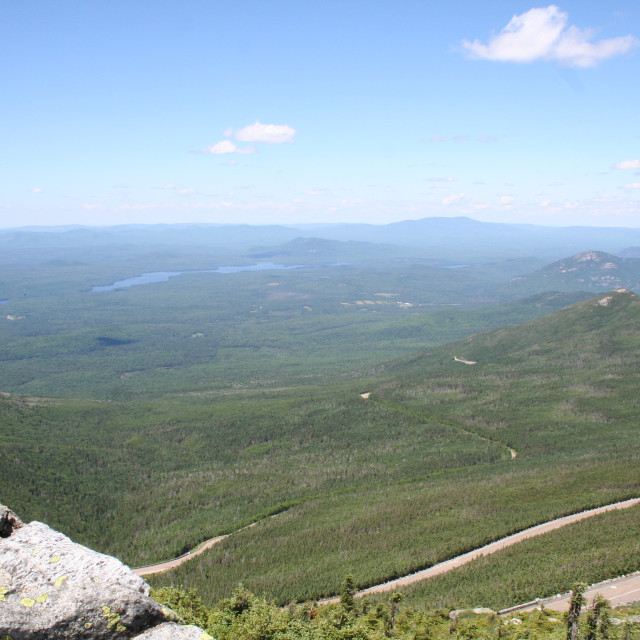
(358, 402)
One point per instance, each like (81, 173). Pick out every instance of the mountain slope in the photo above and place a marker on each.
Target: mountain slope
(555, 398)
(548, 385)
(586, 271)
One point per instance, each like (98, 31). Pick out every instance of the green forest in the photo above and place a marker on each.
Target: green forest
(373, 411)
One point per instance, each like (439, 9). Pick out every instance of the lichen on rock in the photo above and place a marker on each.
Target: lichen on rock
(52, 588)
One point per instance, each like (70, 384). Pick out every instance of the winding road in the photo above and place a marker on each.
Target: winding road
(442, 567)
(493, 547)
(176, 562)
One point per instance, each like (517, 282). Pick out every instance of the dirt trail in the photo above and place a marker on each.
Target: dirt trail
(488, 549)
(176, 562)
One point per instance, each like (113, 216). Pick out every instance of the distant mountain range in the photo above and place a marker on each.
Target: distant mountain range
(437, 238)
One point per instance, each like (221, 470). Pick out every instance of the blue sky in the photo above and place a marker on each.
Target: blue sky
(306, 111)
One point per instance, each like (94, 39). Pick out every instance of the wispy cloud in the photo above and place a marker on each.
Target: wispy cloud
(269, 133)
(226, 146)
(452, 198)
(36, 190)
(627, 164)
(257, 132)
(632, 185)
(544, 34)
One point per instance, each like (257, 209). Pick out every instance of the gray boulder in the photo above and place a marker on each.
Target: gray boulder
(469, 613)
(169, 631)
(52, 588)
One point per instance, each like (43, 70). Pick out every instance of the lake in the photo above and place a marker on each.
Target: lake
(163, 276)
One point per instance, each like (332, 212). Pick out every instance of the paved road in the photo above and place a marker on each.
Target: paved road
(442, 567)
(618, 591)
(488, 549)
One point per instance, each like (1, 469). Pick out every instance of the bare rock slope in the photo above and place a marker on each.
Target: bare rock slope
(51, 587)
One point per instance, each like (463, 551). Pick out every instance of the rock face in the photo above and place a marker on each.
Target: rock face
(9, 521)
(51, 587)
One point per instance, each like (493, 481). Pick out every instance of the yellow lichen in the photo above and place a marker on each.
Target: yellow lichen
(113, 621)
(6, 637)
(60, 580)
(88, 625)
(42, 598)
(36, 552)
(27, 602)
(112, 617)
(121, 628)
(55, 559)
(3, 592)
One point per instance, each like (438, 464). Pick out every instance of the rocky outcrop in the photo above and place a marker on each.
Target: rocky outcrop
(51, 587)
(466, 613)
(9, 522)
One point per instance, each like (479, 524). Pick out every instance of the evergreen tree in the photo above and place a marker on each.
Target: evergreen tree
(575, 606)
(347, 593)
(598, 619)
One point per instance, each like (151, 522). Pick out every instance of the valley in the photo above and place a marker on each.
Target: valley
(394, 413)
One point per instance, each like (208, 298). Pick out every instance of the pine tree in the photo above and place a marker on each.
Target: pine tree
(347, 593)
(573, 618)
(598, 619)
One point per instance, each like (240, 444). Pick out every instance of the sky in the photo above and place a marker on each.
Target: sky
(312, 111)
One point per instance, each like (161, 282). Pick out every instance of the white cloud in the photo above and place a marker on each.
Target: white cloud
(226, 146)
(506, 199)
(632, 185)
(544, 34)
(443, 179)
(452, 198)
(185, 191)
(627, 164)
(269, 133)
(36, 190)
